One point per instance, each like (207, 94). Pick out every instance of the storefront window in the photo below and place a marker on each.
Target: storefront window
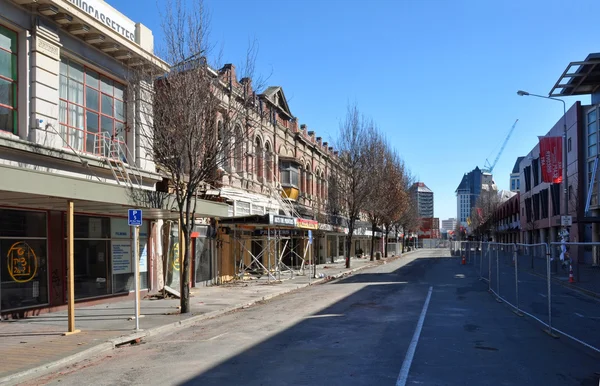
(92, 256)
(23, 259)
(8, 80)
(92, 110)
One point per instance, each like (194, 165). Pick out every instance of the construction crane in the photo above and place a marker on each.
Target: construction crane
(490, 168)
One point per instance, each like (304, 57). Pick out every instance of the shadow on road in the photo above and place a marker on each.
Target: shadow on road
(361, 339)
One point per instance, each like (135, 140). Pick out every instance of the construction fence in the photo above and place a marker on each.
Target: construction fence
(540, 281)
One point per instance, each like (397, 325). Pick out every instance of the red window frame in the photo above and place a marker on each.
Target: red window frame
(98, 88)
(14, 83)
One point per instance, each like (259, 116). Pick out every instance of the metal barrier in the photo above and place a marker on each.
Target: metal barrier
(524, 276)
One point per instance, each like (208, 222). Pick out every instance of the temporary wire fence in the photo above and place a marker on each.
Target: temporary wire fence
(522, 276)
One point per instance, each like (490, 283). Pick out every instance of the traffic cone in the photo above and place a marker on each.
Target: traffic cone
(571, 278)
(464, 261)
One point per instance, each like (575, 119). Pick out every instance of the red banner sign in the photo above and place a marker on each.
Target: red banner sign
(551, 159)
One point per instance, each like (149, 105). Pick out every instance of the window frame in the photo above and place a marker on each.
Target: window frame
(14, 82)
(291, 167)
(114, 136)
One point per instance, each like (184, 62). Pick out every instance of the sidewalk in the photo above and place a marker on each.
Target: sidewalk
(587, 277)
(32, 346)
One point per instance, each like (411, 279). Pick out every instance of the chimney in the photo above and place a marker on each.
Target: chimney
(336, 153)
(330, 148)
(247, 82)
(319, 140)
(325, 145)
(311, 134)
(230, 68)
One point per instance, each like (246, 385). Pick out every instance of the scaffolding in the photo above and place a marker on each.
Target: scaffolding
(264, 247)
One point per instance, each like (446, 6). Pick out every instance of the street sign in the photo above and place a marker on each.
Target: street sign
(135, 218)
(310, 239)
(566, 221)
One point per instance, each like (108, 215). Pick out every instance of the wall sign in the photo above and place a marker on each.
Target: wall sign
(107, 16)
(121, 257)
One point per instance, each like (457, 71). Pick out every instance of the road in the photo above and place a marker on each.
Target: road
(360, 330)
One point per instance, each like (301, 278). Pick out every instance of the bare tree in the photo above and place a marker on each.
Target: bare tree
(395, 194)
(485, 207)
(376, 201)
(194, 119)
(353, 175)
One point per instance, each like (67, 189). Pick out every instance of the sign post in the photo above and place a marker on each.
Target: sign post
(134, 220)
(310, 256)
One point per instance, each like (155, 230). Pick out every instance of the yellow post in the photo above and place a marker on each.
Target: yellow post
(70, 271)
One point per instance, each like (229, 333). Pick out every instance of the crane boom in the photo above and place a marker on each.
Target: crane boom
(489, 167)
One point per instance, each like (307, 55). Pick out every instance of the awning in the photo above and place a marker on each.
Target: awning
(32, 189)
(579, 78)
(261, 220)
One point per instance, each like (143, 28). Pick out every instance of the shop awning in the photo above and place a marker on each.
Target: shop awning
(32, 189)
(579, 78)
(261, 220)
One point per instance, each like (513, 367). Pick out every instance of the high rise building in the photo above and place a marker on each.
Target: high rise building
(449, 224)
(424, 198)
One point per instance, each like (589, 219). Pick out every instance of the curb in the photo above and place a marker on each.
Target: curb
(111, 344)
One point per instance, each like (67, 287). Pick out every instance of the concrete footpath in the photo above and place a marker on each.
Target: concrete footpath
(35, 346)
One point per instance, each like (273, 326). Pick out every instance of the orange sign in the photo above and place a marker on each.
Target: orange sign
(22, 262)
(307, 224)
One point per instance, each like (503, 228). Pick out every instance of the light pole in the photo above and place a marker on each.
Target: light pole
(564, 160)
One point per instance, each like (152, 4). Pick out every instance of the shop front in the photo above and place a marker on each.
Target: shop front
(34, 238)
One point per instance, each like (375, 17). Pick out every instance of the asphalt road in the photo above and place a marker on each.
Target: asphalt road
(363, 330)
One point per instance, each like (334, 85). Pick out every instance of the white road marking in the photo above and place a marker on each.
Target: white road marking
(410, 353)
(323, 316)
(544, 296)
(218, 336)
(578, 314)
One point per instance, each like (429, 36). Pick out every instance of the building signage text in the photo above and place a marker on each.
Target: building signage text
(307, 224)
(282, 220)
(107, 17)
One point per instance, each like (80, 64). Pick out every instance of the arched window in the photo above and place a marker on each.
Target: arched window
(269, 162)
(318, 178)
(222, 161)
(323, 186)
(258, 159)
(309, 180)
(239, 149)
(302, 180)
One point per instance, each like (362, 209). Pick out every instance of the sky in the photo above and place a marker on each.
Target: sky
(438, 77)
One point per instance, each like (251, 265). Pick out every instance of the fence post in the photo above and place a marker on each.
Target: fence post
(516, 262)
(489, 268)
(498, 274)
(548, 279)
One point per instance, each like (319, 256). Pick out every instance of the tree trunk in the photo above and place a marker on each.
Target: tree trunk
(186, 227)
(348, 247)
(373, 241)
(403, 242)
(385, 241)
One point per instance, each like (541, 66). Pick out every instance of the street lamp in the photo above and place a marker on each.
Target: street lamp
(564, 160)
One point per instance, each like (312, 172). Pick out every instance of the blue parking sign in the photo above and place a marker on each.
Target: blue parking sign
(135, 217)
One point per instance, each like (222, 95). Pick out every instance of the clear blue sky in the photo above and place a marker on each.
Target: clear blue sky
(439, 77)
